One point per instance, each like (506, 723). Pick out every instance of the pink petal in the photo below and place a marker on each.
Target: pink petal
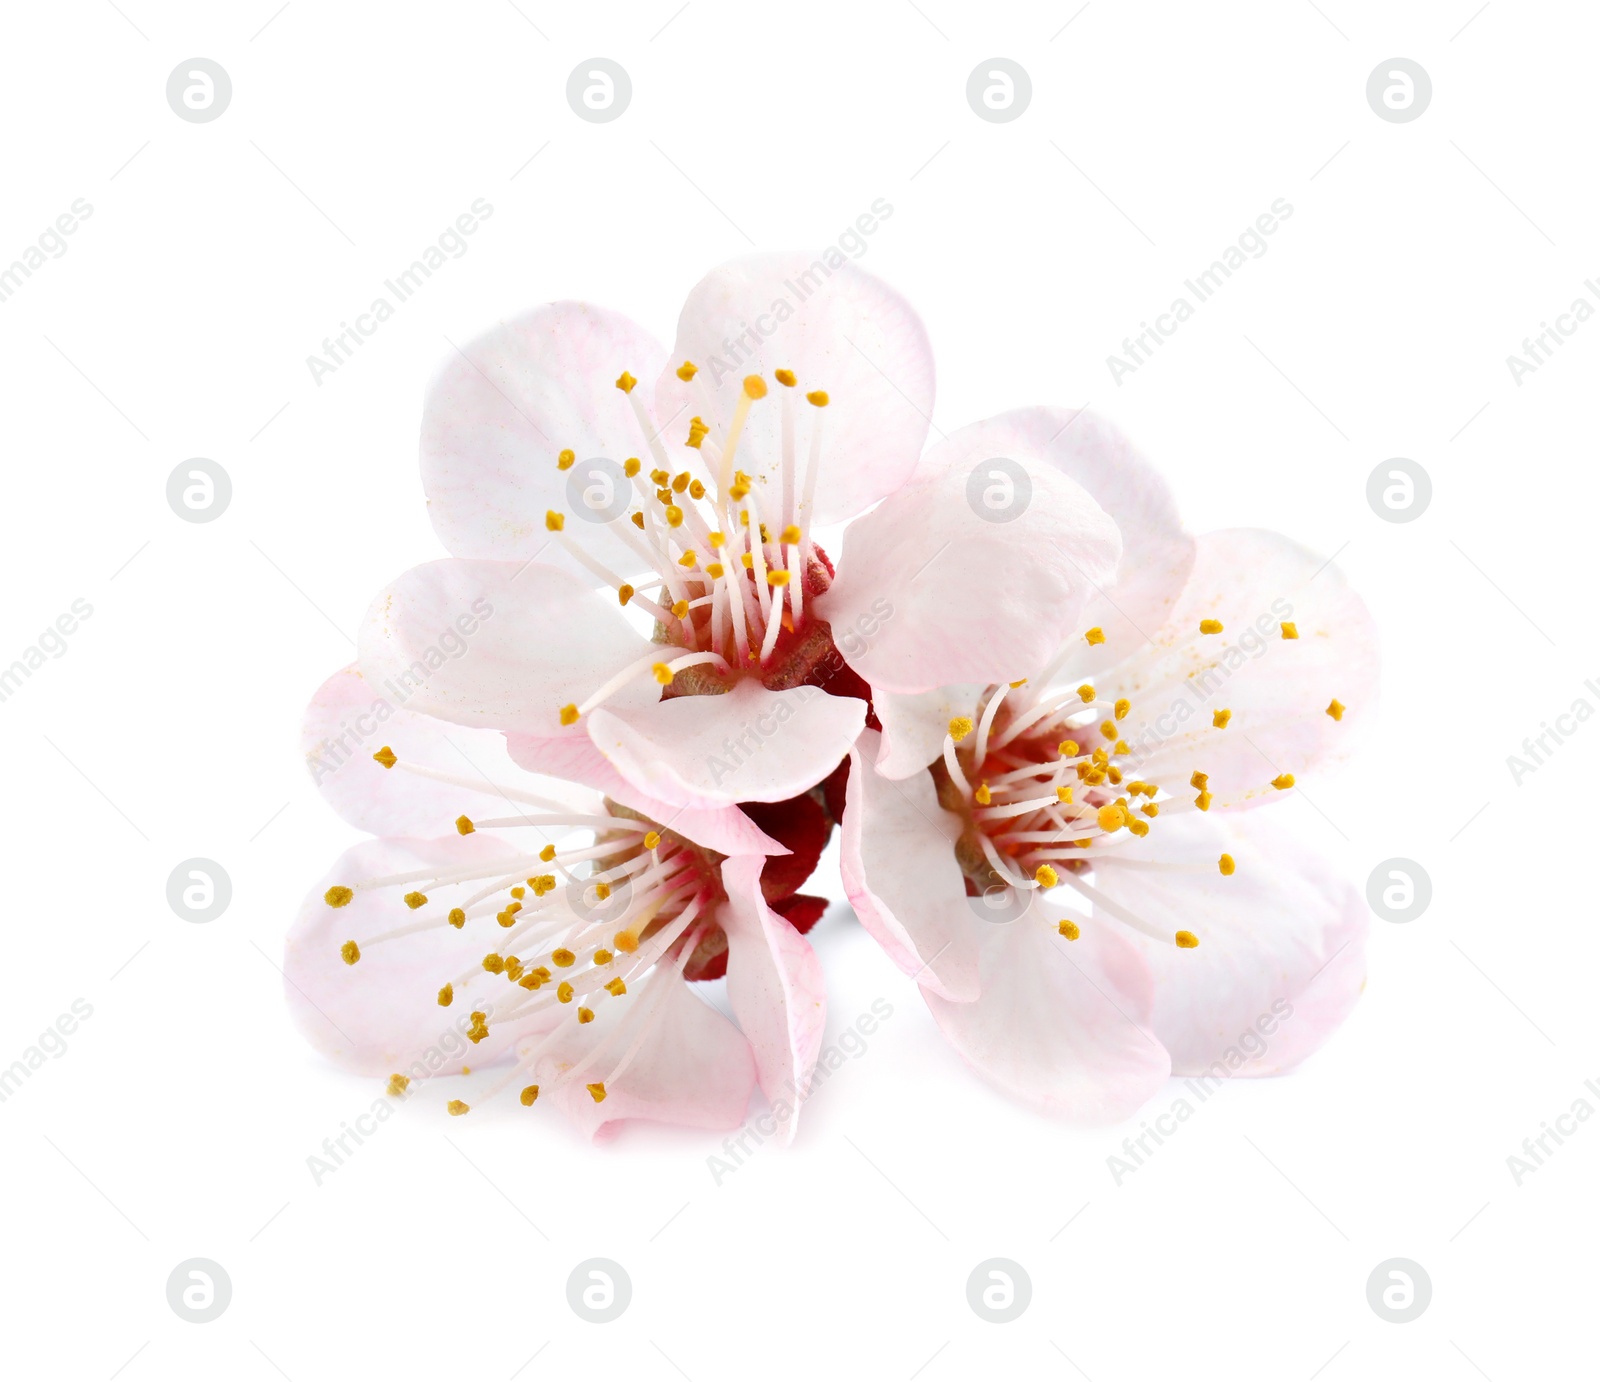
(1157, 554)
(970, 599)
(776, 989)
(897, 859)
(694, 1068)
(841, 331)
(503, 408)
(748, 745)
(1277, 689)
(914, 726)
(498, 645)
(1281, 958)
(381, 1015)
(1061, 1025)
(725, 829)
(348, 721)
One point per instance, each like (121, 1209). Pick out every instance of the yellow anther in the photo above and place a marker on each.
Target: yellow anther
(569, 714)
(626, 942)
(1289, 630)
(817, 398)
(1211, 626)
(554, 521)
(455, 1108)
(464, 825)
(982, 796)
(597, 1092)
(1068, 748)
(564, 991)
(697, 489)
(1225, 865)
(349, 952)
(1121, 708)
(1186, 940)
(338, 896)
(493, 964)
(565, 460)
(1220, 718)
(1108, 729)
(1086, 693)
(1045, 876)
(1336, 709)
(630, 467)
(1064, 795)
(652, 838)
(513, 968)
(1095, 635)
(960, 727)
(662, 673)
(563, 957)
(548, 853)
(602, 890)
(385, 755)
(457, 918)
(626, 381)
(1150, 809)
(755, 386)
(1197, 780)
(784, 377)
(687, 559)
(1203, 801)
(415, 900)
(1139, 828)
(687, 370)
(1121, 746)
(447, 995)
(681, 610)
(680, 481)
(585, 1015)
(748, 560)
(398, 1084)
(1283, 781)
(624, 593)
(530, 980)
(714, 570)
(616, 988)
(790, 535)
(528, 1095)
(674, 516)
(601, 957)
(1069, 929)
(1111, 818)
(779, 578)
(637, 519)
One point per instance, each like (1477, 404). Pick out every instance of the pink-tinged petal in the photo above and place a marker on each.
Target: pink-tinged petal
(497, 645)
(1281, 959)
(840, 330)
(501, 411)
(776, 989)
(693, 1067)
(914, 727)
(725, 829)
(1157, 554)
(381, 1015)
(348, 721)
(1278, 689)
(897, 859)
(1061, 1025)
(750, 744)
(971, 598)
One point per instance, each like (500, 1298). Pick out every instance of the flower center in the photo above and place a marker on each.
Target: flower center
(729, 571)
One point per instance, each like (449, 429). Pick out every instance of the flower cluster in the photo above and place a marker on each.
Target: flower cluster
(604, 744)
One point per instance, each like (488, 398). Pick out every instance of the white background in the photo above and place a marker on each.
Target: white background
(178, 1122)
